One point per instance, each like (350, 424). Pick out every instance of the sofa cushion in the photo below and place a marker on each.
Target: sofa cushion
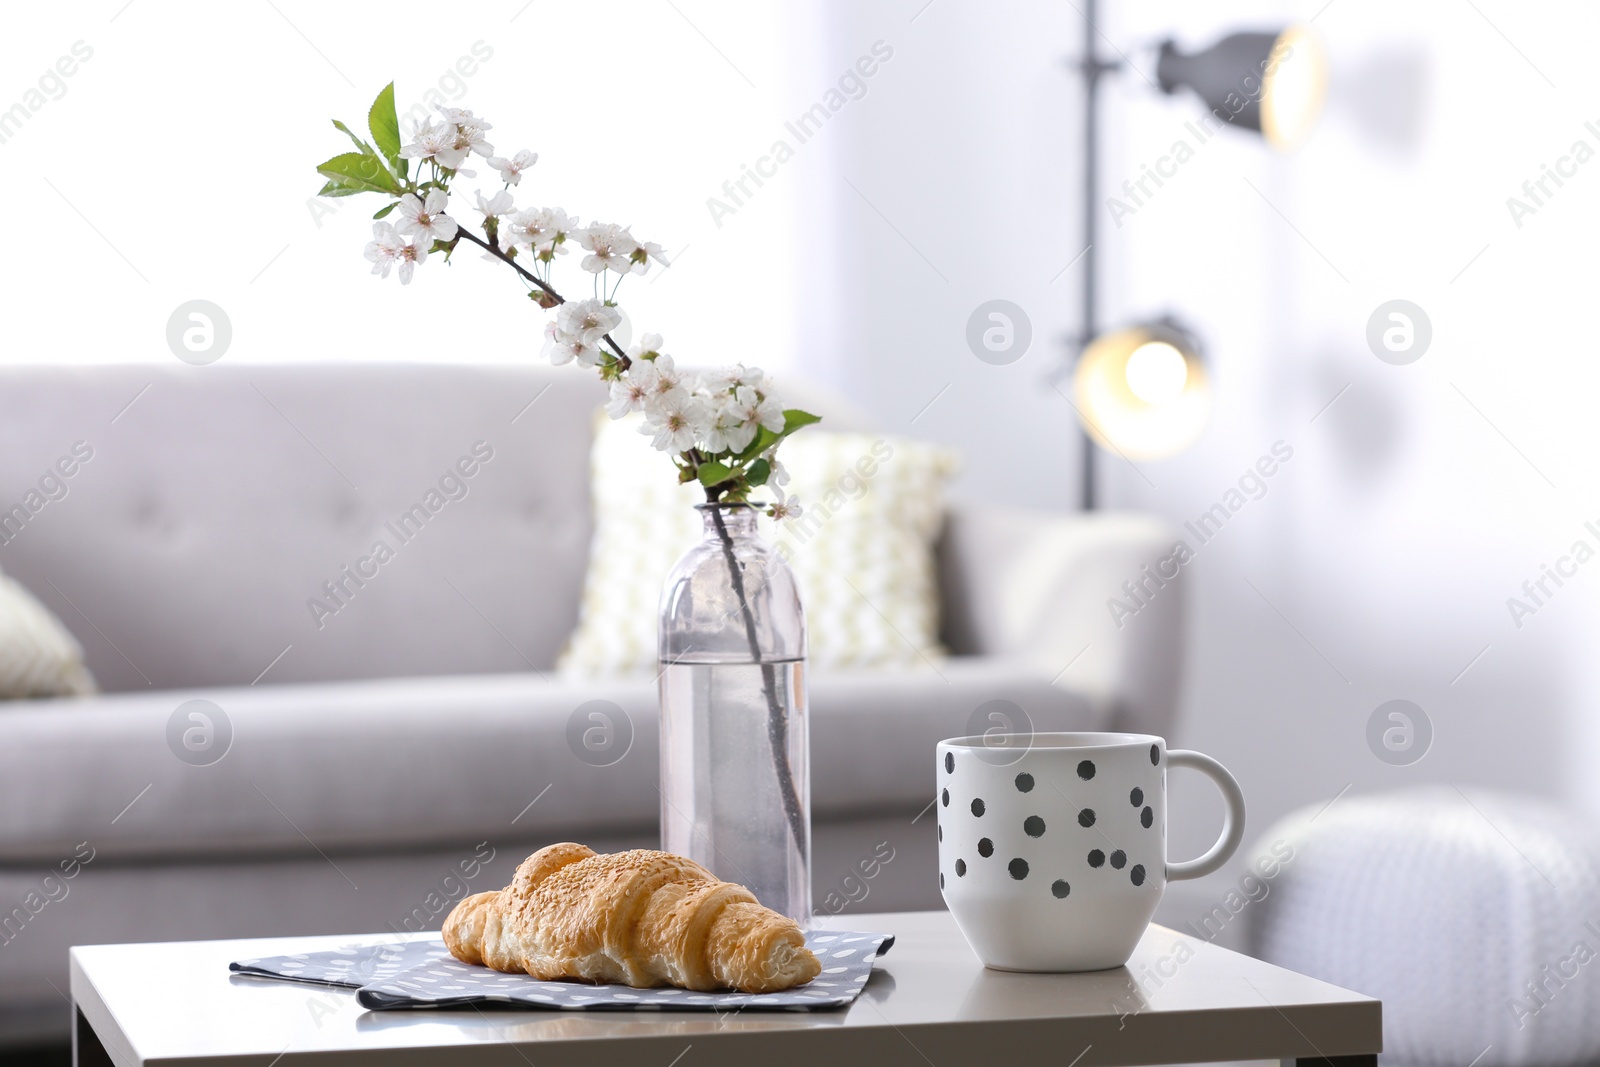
(412, 763)
(862, 550)
(38, 657)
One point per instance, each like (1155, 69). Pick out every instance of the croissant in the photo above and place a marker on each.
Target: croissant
(642, 918)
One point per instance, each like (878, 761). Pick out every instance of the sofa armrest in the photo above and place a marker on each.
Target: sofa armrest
(1050, 588)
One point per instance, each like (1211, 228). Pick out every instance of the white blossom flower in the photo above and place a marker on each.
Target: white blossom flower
(469, 131)
(645, 375)
(384, 248)
(587, 320)
(495, 206)
(511, 169)
(726, 379)
(730, 432)
(561, 348)
(426, 219)
(741, 414)
(463, 118)
(520, 229)
(640, 258)
(647, 348)
(780, 474)
(663, 376)
(628, 395)
(757, 409)
(411, 256)
(670, 421)
(436, 141)
(720, 427)
(785, 507)
(544, 229)
(609, 245)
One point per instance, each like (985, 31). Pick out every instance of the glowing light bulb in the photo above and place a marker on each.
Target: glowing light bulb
(1143, 391)
(1157, 372)
(1294, 92)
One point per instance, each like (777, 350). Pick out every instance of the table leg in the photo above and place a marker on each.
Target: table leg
(1332, 1061)
(87, 1051)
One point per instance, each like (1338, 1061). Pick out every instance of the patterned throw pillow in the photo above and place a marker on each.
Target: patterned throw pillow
(863, 549)
(38, 657)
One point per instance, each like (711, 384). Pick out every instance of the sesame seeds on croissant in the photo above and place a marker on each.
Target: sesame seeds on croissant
(641, 918)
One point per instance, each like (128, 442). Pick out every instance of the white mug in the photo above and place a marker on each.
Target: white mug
(1053, 847)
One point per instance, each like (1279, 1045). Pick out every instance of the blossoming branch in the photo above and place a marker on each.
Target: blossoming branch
(722, 429)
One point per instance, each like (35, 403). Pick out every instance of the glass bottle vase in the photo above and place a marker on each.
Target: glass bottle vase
(735, 759)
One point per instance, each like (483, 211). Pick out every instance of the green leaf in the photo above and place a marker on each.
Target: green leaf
(794, 419)
(763, 440)
(385, 126)
(395, 165)
(335, 189)
(714, 473)
(361, 145)
(758, 473)
(382, 211)
(360, 173)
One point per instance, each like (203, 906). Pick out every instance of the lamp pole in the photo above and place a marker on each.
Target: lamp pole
(1092, 68)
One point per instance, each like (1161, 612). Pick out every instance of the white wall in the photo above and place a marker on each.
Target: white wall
(1384, 552)
(189, 142)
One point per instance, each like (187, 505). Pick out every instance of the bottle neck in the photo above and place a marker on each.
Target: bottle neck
(739, 521)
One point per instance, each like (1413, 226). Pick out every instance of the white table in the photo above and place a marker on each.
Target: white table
(929, 1004)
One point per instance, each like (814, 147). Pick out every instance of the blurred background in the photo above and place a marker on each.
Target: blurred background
(176, 164)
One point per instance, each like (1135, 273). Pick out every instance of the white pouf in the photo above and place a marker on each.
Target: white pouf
(1473, 916)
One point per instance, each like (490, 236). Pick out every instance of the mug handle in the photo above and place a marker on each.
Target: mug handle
(1232, 822)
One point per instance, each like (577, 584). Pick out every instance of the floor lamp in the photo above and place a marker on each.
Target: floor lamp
(1142, 390)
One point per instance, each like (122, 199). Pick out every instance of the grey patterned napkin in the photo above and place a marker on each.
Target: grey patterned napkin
(423, 974)
(350, 967)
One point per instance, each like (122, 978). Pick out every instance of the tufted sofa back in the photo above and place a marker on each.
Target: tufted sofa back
(194, 525)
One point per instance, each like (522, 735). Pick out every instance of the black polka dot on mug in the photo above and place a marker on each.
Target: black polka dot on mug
(985, 847)
(1086, 818)
(961, 868)
(941, 879)
(949, 762)
(1146, 817)
(1018, 868)
(1086, 770)
(1136, 876)
(1096, 858)
(1119, 859)
(1033, 826)
(1024, 782)
(977, 806)
(1155, 755)
(944, 797)
(1060, 888)
(1136, 797)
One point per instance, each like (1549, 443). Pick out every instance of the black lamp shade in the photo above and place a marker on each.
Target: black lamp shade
(1230, 76)
(1271, 82)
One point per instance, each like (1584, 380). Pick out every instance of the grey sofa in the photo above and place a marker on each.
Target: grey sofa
(360, 770)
